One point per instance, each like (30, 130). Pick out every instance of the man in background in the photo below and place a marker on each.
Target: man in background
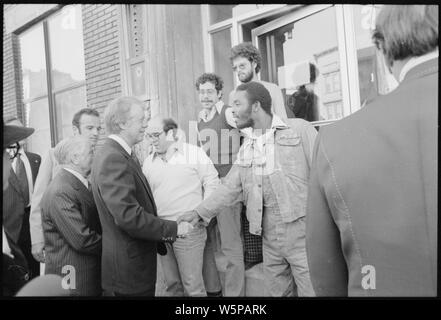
(16, 200)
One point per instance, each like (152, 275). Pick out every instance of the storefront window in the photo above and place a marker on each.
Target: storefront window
(60, 34)
(374, 78)
(66, 47)
(307, 69)
(33, 63)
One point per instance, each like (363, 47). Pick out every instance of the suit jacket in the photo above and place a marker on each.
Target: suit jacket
(372, 205)
(72, 233)
(14, 208)
(131, 228)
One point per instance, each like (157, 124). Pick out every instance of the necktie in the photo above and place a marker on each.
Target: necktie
(20, 171)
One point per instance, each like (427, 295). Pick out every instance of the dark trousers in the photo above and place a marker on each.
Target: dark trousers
(24, 242)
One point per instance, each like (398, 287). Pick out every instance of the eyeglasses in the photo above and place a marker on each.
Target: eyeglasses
(154, 135)
(13, 150)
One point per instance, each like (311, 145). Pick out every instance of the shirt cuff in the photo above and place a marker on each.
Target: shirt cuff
(204, 214)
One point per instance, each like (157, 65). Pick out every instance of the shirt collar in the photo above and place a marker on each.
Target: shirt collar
(413, 62)
(277, 123)
(219, 106)
(122, 142)
(176, 146)
(79, 176)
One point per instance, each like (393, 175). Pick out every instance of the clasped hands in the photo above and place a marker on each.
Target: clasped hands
(186, 223)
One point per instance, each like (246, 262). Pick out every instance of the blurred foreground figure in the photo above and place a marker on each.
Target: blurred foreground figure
(372, 202)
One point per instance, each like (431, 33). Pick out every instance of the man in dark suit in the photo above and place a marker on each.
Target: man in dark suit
(71, 227)
(14, 274)
(16, 203)
(372, 203)
(132, 232)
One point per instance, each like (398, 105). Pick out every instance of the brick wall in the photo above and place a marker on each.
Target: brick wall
(101, 51)
(12, 90)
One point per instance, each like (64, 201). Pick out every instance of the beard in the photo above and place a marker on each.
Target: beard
(247, 77)
(245, 124)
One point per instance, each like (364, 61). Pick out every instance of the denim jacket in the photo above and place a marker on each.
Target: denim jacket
(293, 146)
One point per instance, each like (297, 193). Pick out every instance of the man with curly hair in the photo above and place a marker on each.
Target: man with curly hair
(246, 61)
(224, 249)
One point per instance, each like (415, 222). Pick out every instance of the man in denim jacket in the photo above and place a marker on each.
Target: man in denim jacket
(270, 176)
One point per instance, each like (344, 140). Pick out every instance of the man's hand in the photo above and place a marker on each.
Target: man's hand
(38, 251)
(190, 216)
(183, 229)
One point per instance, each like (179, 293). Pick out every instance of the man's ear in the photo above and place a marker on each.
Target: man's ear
(75, 130)
(170, 135)
(256, 106)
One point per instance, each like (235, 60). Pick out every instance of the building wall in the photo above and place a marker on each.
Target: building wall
(101, 52)
(12, 92)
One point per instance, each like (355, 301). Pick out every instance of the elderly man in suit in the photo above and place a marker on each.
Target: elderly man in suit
(86, 122)
(71, 227)
(17, 204)
(132, 232)
(372, 205)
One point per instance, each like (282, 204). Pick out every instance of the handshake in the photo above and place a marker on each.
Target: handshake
(186, 223)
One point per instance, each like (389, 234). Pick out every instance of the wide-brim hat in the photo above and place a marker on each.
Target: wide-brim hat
(13, 134)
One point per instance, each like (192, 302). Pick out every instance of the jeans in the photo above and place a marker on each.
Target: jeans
(284, 252)
(182, 265)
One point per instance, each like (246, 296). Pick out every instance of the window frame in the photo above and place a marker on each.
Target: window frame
(50, 94)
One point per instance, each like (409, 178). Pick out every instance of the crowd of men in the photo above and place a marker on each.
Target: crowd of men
(348, 211)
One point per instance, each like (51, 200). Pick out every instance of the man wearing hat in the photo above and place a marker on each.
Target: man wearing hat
(15, 272)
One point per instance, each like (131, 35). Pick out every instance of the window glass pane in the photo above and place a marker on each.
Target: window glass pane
(307, 71)
(33, 63)
(220, 12)
(221, 59)
(67, 103)
(374, 78)
(66, 47)
(37, 117)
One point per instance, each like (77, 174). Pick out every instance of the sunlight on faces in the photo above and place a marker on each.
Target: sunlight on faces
(244, 68)
(208, 95)
(242, 110)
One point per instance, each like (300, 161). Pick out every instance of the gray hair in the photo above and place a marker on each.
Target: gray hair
(67, 148)
(117, 112)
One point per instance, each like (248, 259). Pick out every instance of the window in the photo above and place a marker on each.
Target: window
(53, 73)
(373, 77)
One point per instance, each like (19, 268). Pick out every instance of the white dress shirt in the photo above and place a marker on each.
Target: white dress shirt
(413, 62)
(182, 181)
(28, 170)
(121, 142)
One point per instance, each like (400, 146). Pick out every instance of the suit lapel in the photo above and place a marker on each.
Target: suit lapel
(34, 163)
(13, 181)
(135, 167)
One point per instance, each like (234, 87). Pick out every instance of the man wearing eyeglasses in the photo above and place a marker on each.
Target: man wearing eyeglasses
(16, 199)
(181, 176)
(220, 138)
(85, 122)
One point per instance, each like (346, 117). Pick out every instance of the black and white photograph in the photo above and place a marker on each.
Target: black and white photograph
(220, 151)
